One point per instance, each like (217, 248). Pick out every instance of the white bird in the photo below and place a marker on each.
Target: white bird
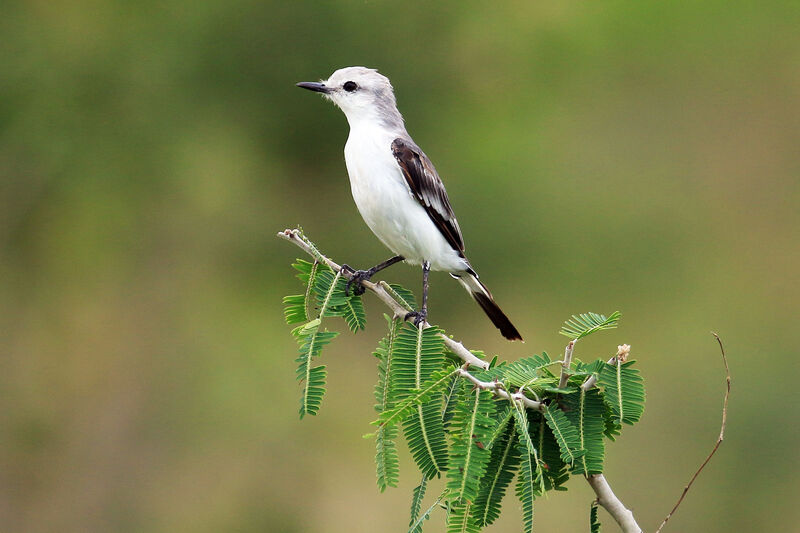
(397, 190)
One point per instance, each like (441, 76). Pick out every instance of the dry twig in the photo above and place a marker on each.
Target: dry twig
(719, 439)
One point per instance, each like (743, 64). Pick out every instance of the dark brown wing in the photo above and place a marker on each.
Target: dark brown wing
(428, 190)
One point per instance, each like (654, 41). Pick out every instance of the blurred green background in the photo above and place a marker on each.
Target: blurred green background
(632, 156)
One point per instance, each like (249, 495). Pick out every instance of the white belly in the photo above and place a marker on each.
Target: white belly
(388, 207)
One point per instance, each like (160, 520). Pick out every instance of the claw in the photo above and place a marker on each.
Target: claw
(418, 316)
(356, 278)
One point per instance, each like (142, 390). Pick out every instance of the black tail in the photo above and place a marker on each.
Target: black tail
(484, 298)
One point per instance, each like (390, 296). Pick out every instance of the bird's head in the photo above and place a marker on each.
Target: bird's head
(361, 93)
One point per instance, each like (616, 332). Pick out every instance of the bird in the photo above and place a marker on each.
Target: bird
(398, 192)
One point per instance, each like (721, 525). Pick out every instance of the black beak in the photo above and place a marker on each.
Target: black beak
(314, 86)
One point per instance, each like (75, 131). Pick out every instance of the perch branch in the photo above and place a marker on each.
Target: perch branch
(294, 236)
(719, 439)
(612, 504)
(498, 389)
(562, 382)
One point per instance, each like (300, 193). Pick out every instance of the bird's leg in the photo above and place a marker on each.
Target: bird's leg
(357, 276)
(421, 315)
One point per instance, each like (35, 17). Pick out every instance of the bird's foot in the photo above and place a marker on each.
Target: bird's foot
(356, 277)
(418, 316)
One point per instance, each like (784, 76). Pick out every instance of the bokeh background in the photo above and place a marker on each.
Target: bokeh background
(632, 156)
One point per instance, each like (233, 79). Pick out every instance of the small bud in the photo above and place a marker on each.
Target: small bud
(623, 351)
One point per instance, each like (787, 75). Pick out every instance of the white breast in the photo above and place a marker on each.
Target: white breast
(387, 205)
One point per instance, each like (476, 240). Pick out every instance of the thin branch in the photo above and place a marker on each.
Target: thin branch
(609, 501)
(622, 354)
(498, 389)
(399, 311)
(719, 439)
(562, 382)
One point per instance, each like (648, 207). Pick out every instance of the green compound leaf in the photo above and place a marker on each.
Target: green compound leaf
(298, 306)
(404, 296)
(449, 400)
(408, 405)
(459, 520)
(468, 454)
(565, 433)
(624, 391)
(329, 288)
(353, 313)
(579, 326)
(426, 438)
(594, 520)
(295, 310)
(311, 378)
(500, 471)
(415, 525)
(530, 482)
(503, 414)
(554, 471)
(527, 372)
(585, 411)
(386, 460)
(419, 352)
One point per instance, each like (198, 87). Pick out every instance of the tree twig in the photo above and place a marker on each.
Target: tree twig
(622, 353)
(562, 382)
(719, 439)
(609, 501)
(498, 389)
(296, 237)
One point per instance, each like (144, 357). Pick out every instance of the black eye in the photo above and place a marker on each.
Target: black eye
(350, 86)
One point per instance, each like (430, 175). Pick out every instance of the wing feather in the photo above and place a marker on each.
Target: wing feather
(428, 189)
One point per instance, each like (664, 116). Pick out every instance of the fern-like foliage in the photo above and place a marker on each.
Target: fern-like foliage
(528, 372)
(403, 296)
(530, 482)
(419, 373)
(351, 308)
(312, 378)
(426, 438)
(624, 391)
(613, 429)
(565, 434)
(387, 464)
(504, 412)
(594, 520)
(468, 453)
(415, 525)
(298, 306)
(500, 470)
(354, 314)
(386, 461)
(295, 311)
(579, 326)
(328, 288)
(585, 411)
(419, 352)
(408, 405)
(459, 519)
(449, 400)
(554, 470)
